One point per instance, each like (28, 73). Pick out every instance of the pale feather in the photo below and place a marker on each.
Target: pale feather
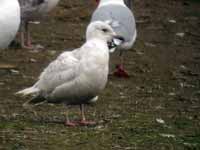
(9, 21)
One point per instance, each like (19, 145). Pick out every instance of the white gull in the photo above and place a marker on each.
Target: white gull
(76, 77)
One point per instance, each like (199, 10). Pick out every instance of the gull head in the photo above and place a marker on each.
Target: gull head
(102, 30)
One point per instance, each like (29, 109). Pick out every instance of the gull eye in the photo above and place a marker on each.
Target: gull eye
(105, 30)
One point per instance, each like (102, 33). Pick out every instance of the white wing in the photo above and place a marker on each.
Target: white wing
(62, 70)
(91, 77)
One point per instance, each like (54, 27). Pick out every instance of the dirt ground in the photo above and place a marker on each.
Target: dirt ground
(158, 107)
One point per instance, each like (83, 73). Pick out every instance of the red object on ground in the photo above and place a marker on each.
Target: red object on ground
(120, 72)
(97, 1)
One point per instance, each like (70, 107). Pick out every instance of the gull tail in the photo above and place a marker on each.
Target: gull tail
(37, 100)
(33, 91)
(28, 91)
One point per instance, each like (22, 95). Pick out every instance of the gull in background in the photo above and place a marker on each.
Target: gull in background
(32, 11)
(9, 21)
(123, 24)
(76, 77)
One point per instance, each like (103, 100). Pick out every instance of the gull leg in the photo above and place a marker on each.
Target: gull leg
(67, 121)
(120, 71)
(83, 121)
(22, 39)
(28, 37)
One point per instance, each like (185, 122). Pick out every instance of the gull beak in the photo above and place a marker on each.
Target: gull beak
(116, 41)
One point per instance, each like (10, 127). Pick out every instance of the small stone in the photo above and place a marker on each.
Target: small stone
(167, 135)
(121, 93)
(99, 127)
(172, 94)
(172, 21)
(13, 71)
(38, 47)
(181, 34)
(159, 120)
(34, 22)
(33, 60)
(2, 83)
(149, 44)
(182, 67)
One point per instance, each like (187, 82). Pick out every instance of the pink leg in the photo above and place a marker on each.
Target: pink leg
(25, 40)
(83, 121)
(28, 37)
(68, 122)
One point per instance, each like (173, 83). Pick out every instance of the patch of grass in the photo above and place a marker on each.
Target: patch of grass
(11, 125)
(197, 1)
(183, 123)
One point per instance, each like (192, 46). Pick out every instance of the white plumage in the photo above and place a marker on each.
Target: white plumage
(9, 21)
(76, 77)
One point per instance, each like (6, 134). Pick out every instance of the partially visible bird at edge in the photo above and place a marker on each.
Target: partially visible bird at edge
(32, 11)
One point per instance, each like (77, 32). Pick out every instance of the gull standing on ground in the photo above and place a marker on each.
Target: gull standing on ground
(9, 21)
(31, 11)
(123, 24)
(76, 77)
